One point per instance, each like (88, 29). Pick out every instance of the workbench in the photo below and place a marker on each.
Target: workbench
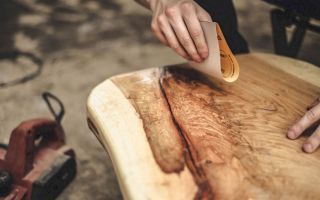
(173, 133)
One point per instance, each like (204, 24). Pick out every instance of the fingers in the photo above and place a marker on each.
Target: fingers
(158, 33)
(195, 30)
(177, 25)
(176, 21)
(169, 35)
(306, 121)
(313, 142)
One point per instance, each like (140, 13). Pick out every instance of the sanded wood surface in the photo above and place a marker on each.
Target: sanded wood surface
(173, 133)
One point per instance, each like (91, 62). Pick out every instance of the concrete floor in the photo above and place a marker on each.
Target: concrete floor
(83, 42)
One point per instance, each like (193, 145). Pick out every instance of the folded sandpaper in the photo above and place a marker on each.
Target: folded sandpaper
(220, 63)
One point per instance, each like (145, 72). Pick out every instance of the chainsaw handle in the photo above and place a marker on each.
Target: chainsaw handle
(28, 139)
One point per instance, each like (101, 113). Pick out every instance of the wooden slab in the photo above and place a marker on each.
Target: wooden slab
(173, 133)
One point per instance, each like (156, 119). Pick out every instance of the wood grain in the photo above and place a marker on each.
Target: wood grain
(172, 133)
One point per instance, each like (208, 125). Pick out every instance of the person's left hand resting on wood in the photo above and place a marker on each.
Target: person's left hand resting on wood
(311, 117)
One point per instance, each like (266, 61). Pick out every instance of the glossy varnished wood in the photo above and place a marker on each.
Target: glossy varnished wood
(173, 133)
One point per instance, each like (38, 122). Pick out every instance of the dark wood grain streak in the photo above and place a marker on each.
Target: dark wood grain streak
(204, 189)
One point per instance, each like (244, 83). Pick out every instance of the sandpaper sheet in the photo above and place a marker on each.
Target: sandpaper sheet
(221, 63)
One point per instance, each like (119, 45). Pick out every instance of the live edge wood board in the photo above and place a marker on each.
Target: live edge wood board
(173, 133)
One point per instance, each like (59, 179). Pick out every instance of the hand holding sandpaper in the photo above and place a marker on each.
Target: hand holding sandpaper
(186, 27)
(220, 63)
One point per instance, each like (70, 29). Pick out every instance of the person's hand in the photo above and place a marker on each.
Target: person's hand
(176, 23)
(311, 118)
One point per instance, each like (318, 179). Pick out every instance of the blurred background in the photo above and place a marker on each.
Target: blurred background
(81, 43)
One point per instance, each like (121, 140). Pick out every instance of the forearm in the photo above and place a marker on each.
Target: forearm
(144, 3)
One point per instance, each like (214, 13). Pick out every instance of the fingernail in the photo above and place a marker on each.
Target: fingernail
(307, 147)
(204, 55)
(198, 59)
(291, 135)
